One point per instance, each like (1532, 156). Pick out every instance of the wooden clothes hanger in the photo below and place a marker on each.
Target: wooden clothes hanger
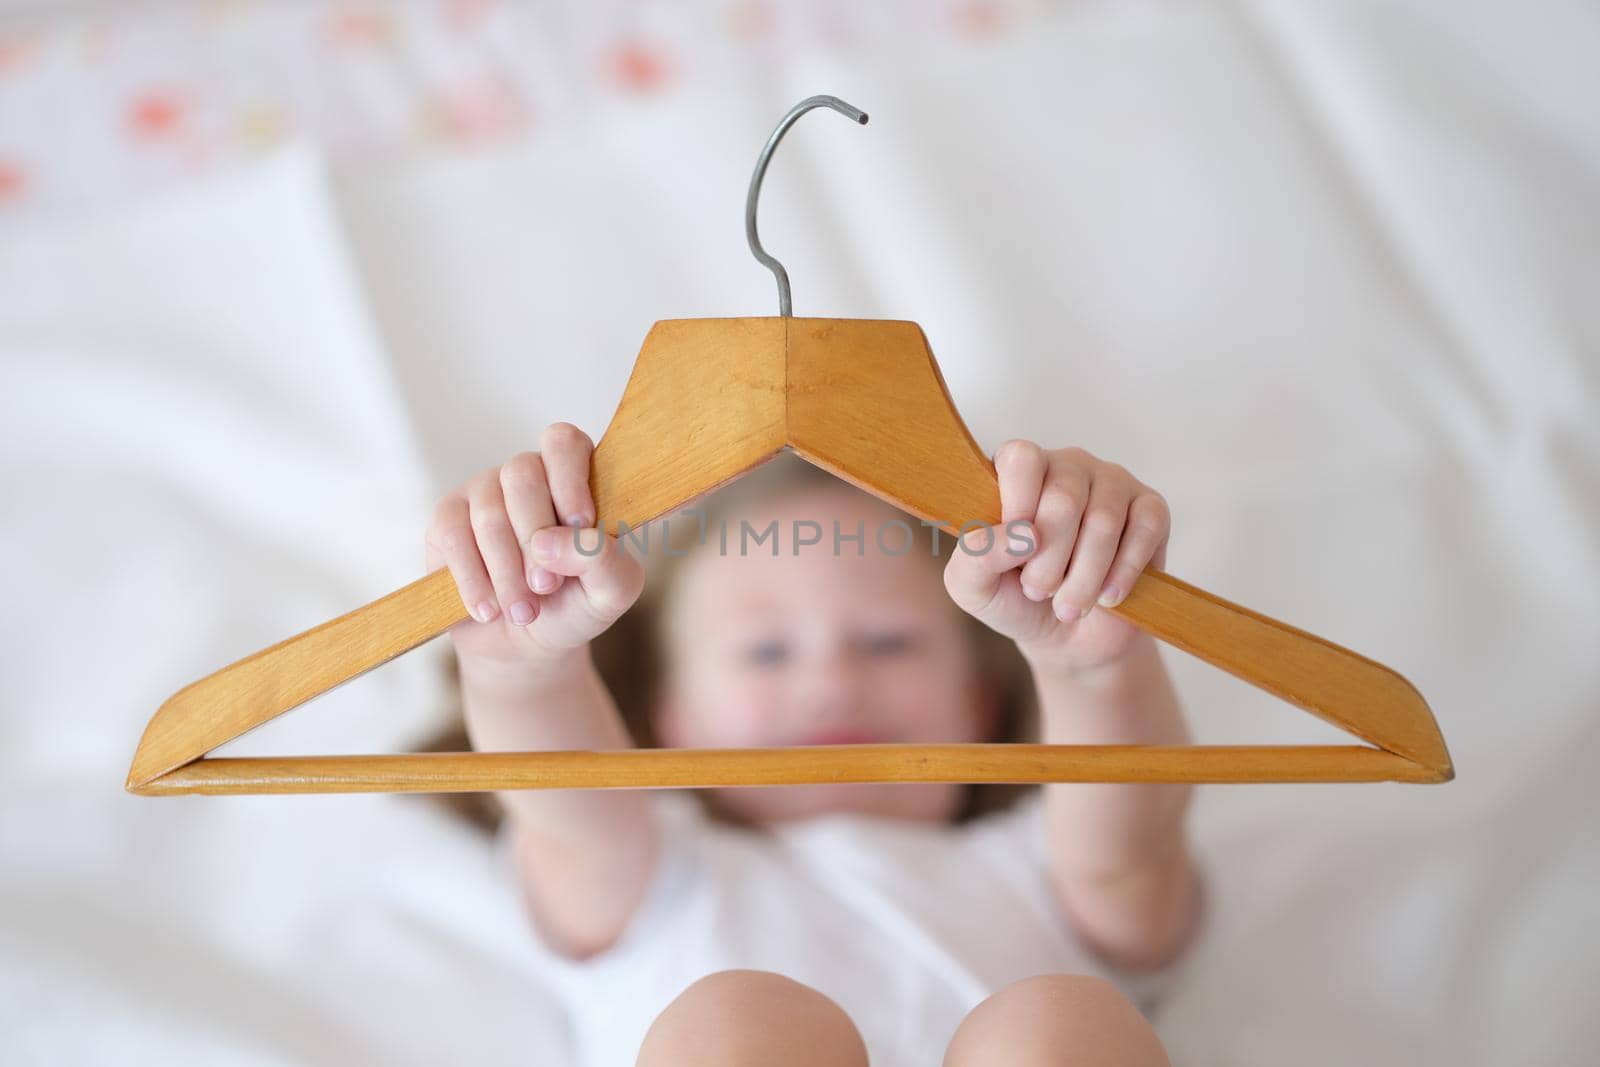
(708, 401)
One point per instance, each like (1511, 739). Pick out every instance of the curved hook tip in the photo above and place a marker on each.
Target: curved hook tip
(761, 254)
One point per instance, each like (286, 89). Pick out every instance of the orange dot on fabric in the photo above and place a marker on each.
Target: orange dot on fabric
(360, 25)
(637, 66)
(478, 109)
(751, 20)
(156, 113)
(16, 51)
(463, 13)
(13, 181)
(978, 18)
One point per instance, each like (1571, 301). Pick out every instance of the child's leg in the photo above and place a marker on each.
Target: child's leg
(743, 1017)
(1051, 1020)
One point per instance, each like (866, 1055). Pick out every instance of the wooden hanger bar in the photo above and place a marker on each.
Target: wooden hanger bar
(454, 772)
(707, 401)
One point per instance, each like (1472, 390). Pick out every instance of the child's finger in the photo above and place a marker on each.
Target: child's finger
(1020, 468)
(524, 480)
(981, 559)
(497, 543)
(450, 540)
(1149, 526)
(566, 451)
(527, 494)
(1103, 523)
(1061, 506)
(611, 579)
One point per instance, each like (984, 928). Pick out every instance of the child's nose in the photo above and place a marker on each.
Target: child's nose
(836, 683)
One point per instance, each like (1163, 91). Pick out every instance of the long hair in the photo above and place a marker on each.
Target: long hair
(630, 655)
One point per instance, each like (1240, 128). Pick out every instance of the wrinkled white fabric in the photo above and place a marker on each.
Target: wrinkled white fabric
(906, 926)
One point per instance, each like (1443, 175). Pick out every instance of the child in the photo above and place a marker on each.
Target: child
(803, 612)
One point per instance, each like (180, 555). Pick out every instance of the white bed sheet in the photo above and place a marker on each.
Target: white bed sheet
(204, 453)
(1325, 278)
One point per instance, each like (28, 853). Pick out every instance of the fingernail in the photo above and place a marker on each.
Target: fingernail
(542, 580)
(1070, 612)
(582, 541)
(1027, 533)
(484, 611)
(1033, 593)
(1110, 597)
(545, 545)
(522, 613)
(576, 520)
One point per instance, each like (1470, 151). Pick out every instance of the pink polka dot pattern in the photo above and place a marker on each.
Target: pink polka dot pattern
(638, 66)
(155, 113)
(158, 94)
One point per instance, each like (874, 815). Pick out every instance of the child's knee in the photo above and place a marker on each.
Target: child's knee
(751, 1016)
(1056, 1019)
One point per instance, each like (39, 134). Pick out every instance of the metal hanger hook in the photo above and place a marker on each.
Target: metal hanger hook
(785, 307)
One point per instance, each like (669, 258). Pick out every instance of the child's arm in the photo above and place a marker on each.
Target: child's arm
(1075, 531)
(1119, 850)
(529, 684)
(586, 855)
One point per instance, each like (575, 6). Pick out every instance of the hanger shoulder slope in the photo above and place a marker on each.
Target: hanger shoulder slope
(868, 403)
(707, 401)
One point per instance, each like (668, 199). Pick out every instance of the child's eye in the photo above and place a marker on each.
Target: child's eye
(766, 654)
(889, 643)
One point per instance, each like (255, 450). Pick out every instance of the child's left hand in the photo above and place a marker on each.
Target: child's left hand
(1094, 528)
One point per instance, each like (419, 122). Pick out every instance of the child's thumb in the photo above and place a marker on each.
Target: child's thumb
(981, 559)
(612, 580)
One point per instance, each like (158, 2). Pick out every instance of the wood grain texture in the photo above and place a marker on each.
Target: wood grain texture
(704, 404)
(709, 400)
(238, 698)
(654, 768)
(868, 403)
(1341, 687)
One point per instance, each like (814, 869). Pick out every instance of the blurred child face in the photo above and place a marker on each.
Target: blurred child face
(821, 648)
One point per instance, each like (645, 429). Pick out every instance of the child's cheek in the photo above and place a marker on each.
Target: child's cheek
(748, 713)
(920, 706)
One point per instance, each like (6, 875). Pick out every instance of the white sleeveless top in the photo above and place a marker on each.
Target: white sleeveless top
(906, 925)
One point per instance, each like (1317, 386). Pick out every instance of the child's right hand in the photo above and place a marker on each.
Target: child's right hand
(529, 605)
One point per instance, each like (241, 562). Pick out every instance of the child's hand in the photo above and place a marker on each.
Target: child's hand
(1080, 511)
(536, 588)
